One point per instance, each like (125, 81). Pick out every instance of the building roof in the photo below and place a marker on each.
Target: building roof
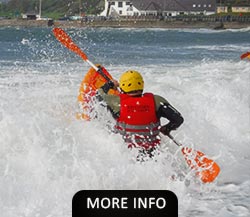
(176, 5)
(173, 5)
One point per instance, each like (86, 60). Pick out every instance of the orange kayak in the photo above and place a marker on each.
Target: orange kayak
(91, 82)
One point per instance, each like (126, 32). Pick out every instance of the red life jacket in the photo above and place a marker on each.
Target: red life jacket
(138, 122)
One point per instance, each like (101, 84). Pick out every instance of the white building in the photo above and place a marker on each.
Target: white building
(158, 7)
(119, 8)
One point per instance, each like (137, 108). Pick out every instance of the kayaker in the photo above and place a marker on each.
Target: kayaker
(138, 114)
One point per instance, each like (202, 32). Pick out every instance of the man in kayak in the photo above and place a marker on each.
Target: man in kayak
(138, 114)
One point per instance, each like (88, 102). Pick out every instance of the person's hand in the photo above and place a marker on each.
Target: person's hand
(165, 131)
(113, 84)
(116, 83)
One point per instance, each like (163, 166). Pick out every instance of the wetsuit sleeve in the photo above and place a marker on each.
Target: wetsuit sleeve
(165, 110)
(111, 101)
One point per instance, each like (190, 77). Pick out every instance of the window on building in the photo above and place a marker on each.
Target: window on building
(194, 5)
(199, 6)
(209, 6)
(112, 3)
(205, 6)
(120, 4)
(120, 12)
(128, 3)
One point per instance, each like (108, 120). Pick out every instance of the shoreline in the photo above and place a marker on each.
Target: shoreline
(124, 24)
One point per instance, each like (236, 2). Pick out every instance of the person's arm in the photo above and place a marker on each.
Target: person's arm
(112, 101)
(164, 109)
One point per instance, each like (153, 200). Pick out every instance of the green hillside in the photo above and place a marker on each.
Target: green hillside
(51, 8)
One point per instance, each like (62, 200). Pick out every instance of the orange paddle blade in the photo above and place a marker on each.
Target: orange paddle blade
(206, 168)
(63, 37)
(244, 55)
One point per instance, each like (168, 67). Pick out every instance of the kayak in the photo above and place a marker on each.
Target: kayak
(91, 82)
(245, 55)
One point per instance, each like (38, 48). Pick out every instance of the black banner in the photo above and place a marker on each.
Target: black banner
(124, 203)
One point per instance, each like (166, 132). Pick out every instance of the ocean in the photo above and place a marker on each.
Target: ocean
(47, 155)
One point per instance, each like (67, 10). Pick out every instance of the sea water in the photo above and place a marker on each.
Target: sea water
(47, 155)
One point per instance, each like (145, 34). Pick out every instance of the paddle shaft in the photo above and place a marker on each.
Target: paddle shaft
(99, 70)
(172, 138)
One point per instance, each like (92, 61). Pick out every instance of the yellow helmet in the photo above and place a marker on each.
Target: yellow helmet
(131, 81)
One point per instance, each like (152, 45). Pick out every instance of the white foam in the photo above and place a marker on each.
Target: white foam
(47, 155)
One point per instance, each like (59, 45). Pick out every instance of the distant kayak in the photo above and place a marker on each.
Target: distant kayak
(245, 55)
